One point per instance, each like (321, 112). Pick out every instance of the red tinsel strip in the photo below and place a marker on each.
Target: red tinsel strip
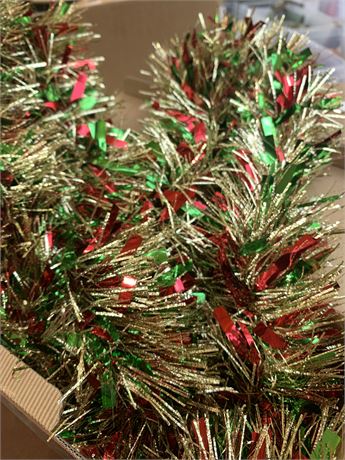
(132, 243)
(227, 326)
(285, 261)
(79, 87)
(202, 429)
(270, 337)
(238, 290)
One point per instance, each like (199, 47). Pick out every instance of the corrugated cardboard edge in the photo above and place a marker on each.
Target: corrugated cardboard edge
(29, 391)
(24, 391)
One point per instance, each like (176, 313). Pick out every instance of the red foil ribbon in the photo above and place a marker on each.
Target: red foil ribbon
(49, 238)
(198, 204)
(199, 133)
(63, 27)
(112, 447)
(132, 244)
(252, 27)
(185, 151)
(285, 261)
(244, 160)
(194, 126)
(204, 447)
(35, 326)
(176, 199)
(246, 333)
(66, 54)
(102, 237)
(83, 131)
(79, 87)
(128, 282)
(298, 456)
(51, 105)
(84, 62)
(179, 286)
(110, 282)
(88, 318)
(41, 35)
(146, 206)
(104, 177)
(241, 339)
(176, 62)
(117, 143)
(238, 290)
(101, 333)
(188, 120)
(290, 87)
(188, 91)
(227, 326)
(270, 337)
(47, 277)
(220, 201)
(261, 455)
(90, 451)
(280, 154)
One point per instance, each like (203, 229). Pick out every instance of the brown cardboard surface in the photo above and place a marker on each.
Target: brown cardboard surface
(332, 182)
(30, 409)
(340, 161)
(128, 29)
(21, 440)
(129, 112)
(29, 391)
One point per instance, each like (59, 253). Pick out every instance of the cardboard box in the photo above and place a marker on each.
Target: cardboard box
(30, 409)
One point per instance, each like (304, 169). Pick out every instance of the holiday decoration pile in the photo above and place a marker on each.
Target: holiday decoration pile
(177, 284)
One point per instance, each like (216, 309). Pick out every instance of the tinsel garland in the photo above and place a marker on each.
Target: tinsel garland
(175, 284)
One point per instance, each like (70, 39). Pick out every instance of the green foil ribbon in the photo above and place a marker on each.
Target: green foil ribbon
(108, 391)
(301, 58)
(51, 94)
(200, 297)
(118, 133)
(275, 60)
(192, 210)
(174, 125)
(327, 446)
(290, 176)
(268, 126)
(330, 104)
(158, 255)
(169, 278)
(113, 166)
(88, 101)
(98, 132)
(301, 268)
(254, 247)
(101, 135)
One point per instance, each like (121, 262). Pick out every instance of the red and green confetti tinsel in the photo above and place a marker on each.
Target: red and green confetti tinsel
(176, 284)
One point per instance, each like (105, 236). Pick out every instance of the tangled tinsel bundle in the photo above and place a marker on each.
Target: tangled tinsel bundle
(176, 284)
